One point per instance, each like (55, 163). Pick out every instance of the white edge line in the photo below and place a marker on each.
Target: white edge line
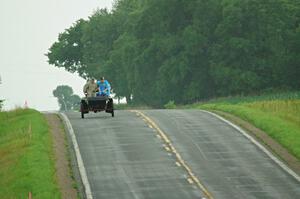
(275, 159)
(81, 167)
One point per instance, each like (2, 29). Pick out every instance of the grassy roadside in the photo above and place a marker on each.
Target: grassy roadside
(279, 117)
(26, 156)
(64, 162)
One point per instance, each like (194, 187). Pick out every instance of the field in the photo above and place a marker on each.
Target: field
(277, 115)
(26, 156)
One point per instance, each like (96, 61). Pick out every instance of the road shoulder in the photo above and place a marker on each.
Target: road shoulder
(62, 165)
(271, 144)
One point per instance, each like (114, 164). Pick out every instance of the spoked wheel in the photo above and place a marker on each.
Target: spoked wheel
(111, 107)
(113, 113)
(81, 110)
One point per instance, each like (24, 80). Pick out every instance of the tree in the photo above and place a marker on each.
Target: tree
(67, 52)
(66, 99)
(155, 51)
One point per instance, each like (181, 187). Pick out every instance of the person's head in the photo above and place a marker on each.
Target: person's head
(102, 79)
(92, 80)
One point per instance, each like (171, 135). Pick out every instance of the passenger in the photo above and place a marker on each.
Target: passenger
(90, 88)
(104, 87)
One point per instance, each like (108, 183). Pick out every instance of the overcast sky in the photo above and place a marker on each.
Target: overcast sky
(28, 28)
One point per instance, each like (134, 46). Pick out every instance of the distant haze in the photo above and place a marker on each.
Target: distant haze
(28, 28)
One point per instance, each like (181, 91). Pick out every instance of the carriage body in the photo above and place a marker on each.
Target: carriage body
(97, 104)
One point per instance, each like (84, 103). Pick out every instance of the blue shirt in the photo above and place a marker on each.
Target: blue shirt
(104, 88)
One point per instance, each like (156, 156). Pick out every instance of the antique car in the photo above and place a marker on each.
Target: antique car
(97, 104)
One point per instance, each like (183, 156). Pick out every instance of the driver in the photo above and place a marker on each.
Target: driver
(104, 87)
(90, 88)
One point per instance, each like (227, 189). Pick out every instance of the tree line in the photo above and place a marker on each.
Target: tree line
(156, 51)
(66, 99)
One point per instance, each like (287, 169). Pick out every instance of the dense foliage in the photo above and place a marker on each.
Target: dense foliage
(66, 99)
(155, 51)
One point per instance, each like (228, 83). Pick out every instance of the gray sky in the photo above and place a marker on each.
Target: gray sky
(28, 28)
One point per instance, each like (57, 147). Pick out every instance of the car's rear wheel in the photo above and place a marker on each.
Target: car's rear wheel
(81, 110)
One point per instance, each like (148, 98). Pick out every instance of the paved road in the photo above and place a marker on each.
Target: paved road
(124, 158)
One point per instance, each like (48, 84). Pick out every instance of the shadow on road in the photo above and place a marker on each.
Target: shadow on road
(97, 116)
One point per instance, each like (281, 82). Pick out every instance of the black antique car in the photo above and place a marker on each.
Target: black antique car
(97, 104)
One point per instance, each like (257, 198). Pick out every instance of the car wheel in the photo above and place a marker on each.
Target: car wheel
(81, 110)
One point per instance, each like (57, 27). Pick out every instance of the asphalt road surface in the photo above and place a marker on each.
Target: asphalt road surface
(125, 157)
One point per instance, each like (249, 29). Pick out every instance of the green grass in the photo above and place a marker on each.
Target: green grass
(26, 156)
(254, 98)
(279, 117)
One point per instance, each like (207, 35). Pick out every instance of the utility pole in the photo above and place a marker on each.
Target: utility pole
(1, 100)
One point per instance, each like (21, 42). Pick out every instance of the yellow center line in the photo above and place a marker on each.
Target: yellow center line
(167, 148)
(159, 136)
(180, 161)
(190, 180)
